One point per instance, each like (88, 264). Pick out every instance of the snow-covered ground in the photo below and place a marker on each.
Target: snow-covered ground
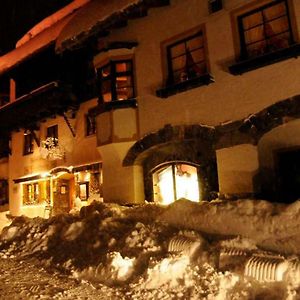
(246, 249)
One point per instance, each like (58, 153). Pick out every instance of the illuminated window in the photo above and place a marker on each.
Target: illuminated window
(28, 143)
(116, 81)
(36, 192)
(176, 181)
(186, 59)
(83, 192)
(265, 29)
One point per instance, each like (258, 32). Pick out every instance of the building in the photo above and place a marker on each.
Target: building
(193, 99)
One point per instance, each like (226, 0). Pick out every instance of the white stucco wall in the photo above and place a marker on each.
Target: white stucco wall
(230, 97)
(237, 167)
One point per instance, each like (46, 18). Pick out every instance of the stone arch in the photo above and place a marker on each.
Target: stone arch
(179, 142)
(184, 143)
(167, 135)
(251, 129)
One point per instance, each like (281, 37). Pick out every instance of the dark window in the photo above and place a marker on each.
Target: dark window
(186, 59)
(52, 132)
(3, 191)
(288, 176)
(215, 5)
(90, 124)
(28, 143)
(116, 81)
(265, 29)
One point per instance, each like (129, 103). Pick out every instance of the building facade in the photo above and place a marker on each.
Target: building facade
(191, 99)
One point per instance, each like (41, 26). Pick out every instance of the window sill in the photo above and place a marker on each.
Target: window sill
(265, 60)
(184, 86)
(118, 104)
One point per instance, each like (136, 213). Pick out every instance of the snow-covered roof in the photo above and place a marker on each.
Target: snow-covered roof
(90, 18)
(99, 16)
(43, 39)
(39, 36)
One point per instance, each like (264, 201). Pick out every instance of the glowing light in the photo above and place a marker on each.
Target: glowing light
(187, 185)
(44, 175)
(166, 186)
(176, 182)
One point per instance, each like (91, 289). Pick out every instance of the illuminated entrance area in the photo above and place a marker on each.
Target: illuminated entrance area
(174, 181)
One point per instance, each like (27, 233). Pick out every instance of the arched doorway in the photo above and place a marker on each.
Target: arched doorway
(175, 180)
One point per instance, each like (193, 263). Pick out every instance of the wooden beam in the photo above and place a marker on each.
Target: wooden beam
(69, 125)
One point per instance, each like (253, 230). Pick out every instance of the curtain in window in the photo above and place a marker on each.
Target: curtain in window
(266, 30)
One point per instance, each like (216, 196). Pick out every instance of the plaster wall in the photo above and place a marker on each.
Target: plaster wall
(230, 97)
(120, 184)
(237, 166)
(79, 150)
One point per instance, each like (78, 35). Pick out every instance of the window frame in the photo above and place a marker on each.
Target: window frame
(242, 64)
(244, 53)
(52, 132)
(170, 79)
(28, 146)
(171, 88)
(113, 76)
(87, 190)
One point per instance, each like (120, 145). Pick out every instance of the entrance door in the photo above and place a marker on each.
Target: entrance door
(61, 196)
(289, 176)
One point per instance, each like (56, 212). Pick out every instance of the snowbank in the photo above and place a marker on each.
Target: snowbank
(182, 251)
(272, 226)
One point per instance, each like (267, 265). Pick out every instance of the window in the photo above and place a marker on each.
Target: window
(174, 181)
(116, 81)
(90, 122)
(215, 5)
(28, 143)
(265, 29)
(36, 192)
(52, 132)
(186, 64)
(186, 59)
(83, 191)
(3, 192)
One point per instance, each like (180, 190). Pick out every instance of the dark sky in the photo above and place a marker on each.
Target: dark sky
(19, 16)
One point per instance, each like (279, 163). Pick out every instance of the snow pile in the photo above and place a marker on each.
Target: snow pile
(183, 251)
(272, 226)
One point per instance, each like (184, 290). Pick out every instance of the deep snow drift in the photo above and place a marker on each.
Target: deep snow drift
(246, 249)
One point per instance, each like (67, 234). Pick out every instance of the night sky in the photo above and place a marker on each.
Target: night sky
(19, 16)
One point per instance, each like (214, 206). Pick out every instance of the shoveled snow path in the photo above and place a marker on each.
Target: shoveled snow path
(28, 280)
